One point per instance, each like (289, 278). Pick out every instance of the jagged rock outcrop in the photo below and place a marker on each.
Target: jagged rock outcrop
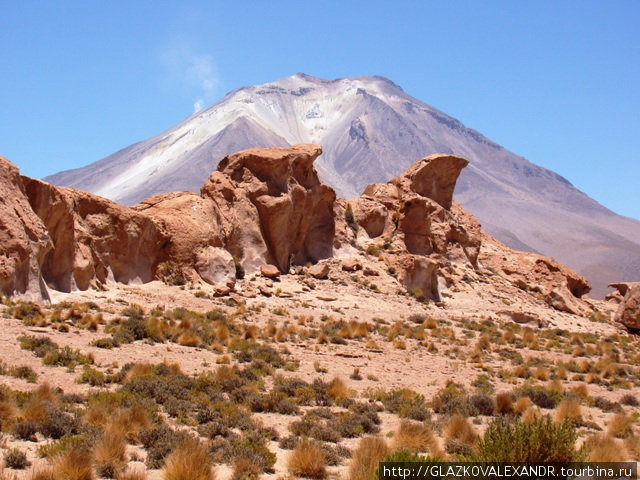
(628, 313)
(265, 210)
(24, 241)
(280, 187)
(560, 286)
(433, 177)
(414, 214)
(262, 206)
(94, 239)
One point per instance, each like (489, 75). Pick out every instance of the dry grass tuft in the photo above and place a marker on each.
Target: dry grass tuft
(632, 444)
(581, 390)
(522, 405)
(603, 448)
(568, 409)
(308, 460)
(531, 415)
(72, 464)
(542, 373)
(189, 338)
(416, 438)
(620, 425)
(370, 452)
(110, 452)
(459, 428)
(504, 403)
(338, 389)
(46, 474)
(555, 385)
(189, 460)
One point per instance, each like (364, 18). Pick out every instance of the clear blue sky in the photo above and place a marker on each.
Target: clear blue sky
(554, 81)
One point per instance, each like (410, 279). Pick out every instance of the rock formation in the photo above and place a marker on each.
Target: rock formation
(24, 241)
(262, 206)
(416, 218)
(265, 210)
(280, 187)
(628, 313)
(94, 239)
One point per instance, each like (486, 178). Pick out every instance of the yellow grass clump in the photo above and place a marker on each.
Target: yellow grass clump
(620, 425)
(504, 403)
(338, 389)
(603, 448)
(72, 464)
(110, 452)
(459, 428)
(189, 460)
(370, 452)
(307, 460)
(522, 405)
(568, 409)
(417, 438)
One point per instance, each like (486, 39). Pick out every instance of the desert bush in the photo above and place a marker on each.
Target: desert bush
(245, 469)
(39, 345)
(67, 357)
(540, 396)
(406, 403)
(536, 442)
(16, 459)
(160, 442)
(289, 443)
(450, 400)
(25, 429)
(24, 372)
(92, 376)
(630, 400)
(605, 405)
(482, 404)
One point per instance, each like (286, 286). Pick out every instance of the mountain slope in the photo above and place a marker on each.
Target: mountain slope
(371, 130)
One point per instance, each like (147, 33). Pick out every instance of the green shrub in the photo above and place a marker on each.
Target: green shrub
(24, 372)
(540, 396)
(541, 441)
(67, 357)
(160, 442)
(450, 400)
(482, 404)
(16, 459)
(93, 377)
(39, 345)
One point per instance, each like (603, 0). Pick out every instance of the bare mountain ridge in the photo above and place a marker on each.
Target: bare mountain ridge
(371, 130)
